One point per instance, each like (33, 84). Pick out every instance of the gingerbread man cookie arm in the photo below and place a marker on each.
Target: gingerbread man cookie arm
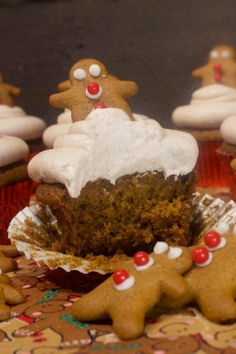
(127, 88)
(13, 90)
(174, 285)
(198, 73)
(64, 85)
(62, 99)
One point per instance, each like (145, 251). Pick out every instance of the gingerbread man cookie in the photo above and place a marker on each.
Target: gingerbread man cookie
(221, 67)
(6, 91)
(91, 86)
(9, 296)
(211, 281)
(134, 290)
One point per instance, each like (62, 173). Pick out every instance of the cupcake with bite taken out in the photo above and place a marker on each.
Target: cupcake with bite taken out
(112, 184)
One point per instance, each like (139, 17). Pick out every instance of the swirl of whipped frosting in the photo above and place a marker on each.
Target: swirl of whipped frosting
(12, 149)
(209, 107)
(63, 125)
(15, 122)
(228, 130)
(109, 145)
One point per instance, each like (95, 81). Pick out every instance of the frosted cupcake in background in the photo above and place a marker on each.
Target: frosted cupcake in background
(13, 120)
(228, 133)
(215, 101)
(228, 147)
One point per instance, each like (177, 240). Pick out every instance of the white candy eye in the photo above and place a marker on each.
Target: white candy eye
(214, 54)
(79, 74)
(95, 70)
(225, 54)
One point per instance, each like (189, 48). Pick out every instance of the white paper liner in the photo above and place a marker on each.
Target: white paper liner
(213, 211)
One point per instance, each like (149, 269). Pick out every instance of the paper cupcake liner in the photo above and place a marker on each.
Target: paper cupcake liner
(213, 212)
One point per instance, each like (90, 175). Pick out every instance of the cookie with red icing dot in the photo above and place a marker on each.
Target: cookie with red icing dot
(90, 86)
(211, 281)
(134, 289)
(221, 67)
(201, 256)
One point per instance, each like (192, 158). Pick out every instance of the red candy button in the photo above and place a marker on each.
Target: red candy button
(212, 239)
(93, 88)
(200, 255)
(99, 105)
(217, 77)
(141, 258)
(119, 276)
(217, 67)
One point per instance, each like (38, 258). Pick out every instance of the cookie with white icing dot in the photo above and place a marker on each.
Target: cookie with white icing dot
(138, 286)
(91, 87)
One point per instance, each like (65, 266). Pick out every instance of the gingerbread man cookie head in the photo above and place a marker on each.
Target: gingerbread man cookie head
(222, 53)
(91, 87)
(221, 67)
(6, 92)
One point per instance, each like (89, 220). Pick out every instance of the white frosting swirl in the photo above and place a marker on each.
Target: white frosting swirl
(209, 106)
(12, 149)
(228, 130)
(64, 117)
(109, 145)
(9, 112)
(15, 122)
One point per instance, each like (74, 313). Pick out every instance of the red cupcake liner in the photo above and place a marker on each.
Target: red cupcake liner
(12, 199)
(214, 168)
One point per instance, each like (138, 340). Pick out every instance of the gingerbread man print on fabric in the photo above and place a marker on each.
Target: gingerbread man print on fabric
(91, 87)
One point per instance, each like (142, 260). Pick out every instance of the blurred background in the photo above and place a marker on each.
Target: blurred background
(156, 43)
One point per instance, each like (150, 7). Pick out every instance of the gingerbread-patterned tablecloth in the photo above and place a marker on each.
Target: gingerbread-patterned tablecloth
(44, 324)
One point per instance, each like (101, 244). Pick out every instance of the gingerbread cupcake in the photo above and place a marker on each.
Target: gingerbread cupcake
(215, 101)
(13, 119)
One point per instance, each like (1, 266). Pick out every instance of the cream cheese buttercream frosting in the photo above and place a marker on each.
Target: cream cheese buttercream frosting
(14, 121)
(228, 130)
(209, 107)
(109, 145)
(12, 149)
(63, 125)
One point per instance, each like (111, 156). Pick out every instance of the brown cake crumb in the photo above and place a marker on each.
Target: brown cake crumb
(107, 219)
(13, 173)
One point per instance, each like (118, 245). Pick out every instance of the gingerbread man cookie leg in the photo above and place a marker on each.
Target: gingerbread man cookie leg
(217, 308)
(134, 290)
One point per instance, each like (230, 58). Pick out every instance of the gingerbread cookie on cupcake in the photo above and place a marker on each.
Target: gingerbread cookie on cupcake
(90, 87)
(215, 101)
